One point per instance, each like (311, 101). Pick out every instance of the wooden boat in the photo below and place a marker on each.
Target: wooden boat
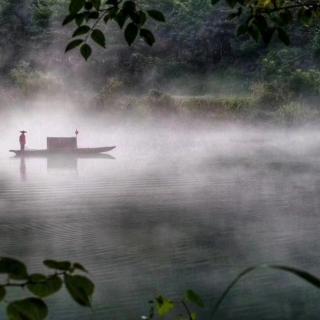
(74, 152)
(62, 146)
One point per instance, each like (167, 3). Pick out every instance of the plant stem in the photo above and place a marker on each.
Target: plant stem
(187, 309)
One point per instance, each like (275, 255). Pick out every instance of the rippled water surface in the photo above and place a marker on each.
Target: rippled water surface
(174, 210)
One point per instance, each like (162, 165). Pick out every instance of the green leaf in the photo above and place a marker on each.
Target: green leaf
(283, 36)
(285, 17)
(85, 51)
(305, 16)
(142, 17)
(68, 19)
(78, 266)
(156, 15)
(81, 30)
(27, 309)
(267, 35)
(80, 288)
(129, 6)
(76, 5)
(112, 12)
(71, 45)
(98, 37)
(134, 17)
(37, 277)
(79, 19)
(194, 298)
(131, 33)
(213, 2)
(261, 23)
(45, 287)
(88, 5)
(147, 36)
(232, 3)
(242, 29)
(14, 268)
(93, 15)
(254, 33)
(2, 293)
(96, 4)
(58, 265)
(121, 18)
(164, 306)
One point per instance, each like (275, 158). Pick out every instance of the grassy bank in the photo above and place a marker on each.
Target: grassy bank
(281, 95)
(245, 108)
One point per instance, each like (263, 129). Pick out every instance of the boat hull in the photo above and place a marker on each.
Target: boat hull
(74, 152)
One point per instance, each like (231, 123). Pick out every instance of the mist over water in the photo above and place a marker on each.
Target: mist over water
(178, 207)
(194, 192)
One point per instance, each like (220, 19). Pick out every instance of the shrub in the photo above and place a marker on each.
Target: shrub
(31, 81)
(269, 95)
(295, 112)
(209, 106)
(315, 43)
(287, 77)
(109, 94)
(160, 102)
(112, 87)
(281, 63)
(305, 82)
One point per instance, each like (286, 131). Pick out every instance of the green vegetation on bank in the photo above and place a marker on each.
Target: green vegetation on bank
(197, 66)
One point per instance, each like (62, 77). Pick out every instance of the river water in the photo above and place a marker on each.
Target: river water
(174, 210)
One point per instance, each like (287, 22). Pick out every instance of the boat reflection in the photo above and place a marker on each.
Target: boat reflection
(58, 162)
(71, 161)
(23, 169)
(68, 163)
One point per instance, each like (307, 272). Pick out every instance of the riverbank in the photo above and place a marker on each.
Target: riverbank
(247, 108)
(260, 102)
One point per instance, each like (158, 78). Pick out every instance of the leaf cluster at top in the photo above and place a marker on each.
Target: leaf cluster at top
(90, 15)
(265, 18)
(258, 19)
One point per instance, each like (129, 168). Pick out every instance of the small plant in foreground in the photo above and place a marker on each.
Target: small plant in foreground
(162, 307)
(41, 286)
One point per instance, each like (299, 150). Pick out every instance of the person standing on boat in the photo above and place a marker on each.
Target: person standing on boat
(22, 140)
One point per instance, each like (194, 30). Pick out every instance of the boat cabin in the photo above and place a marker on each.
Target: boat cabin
(58, 143)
